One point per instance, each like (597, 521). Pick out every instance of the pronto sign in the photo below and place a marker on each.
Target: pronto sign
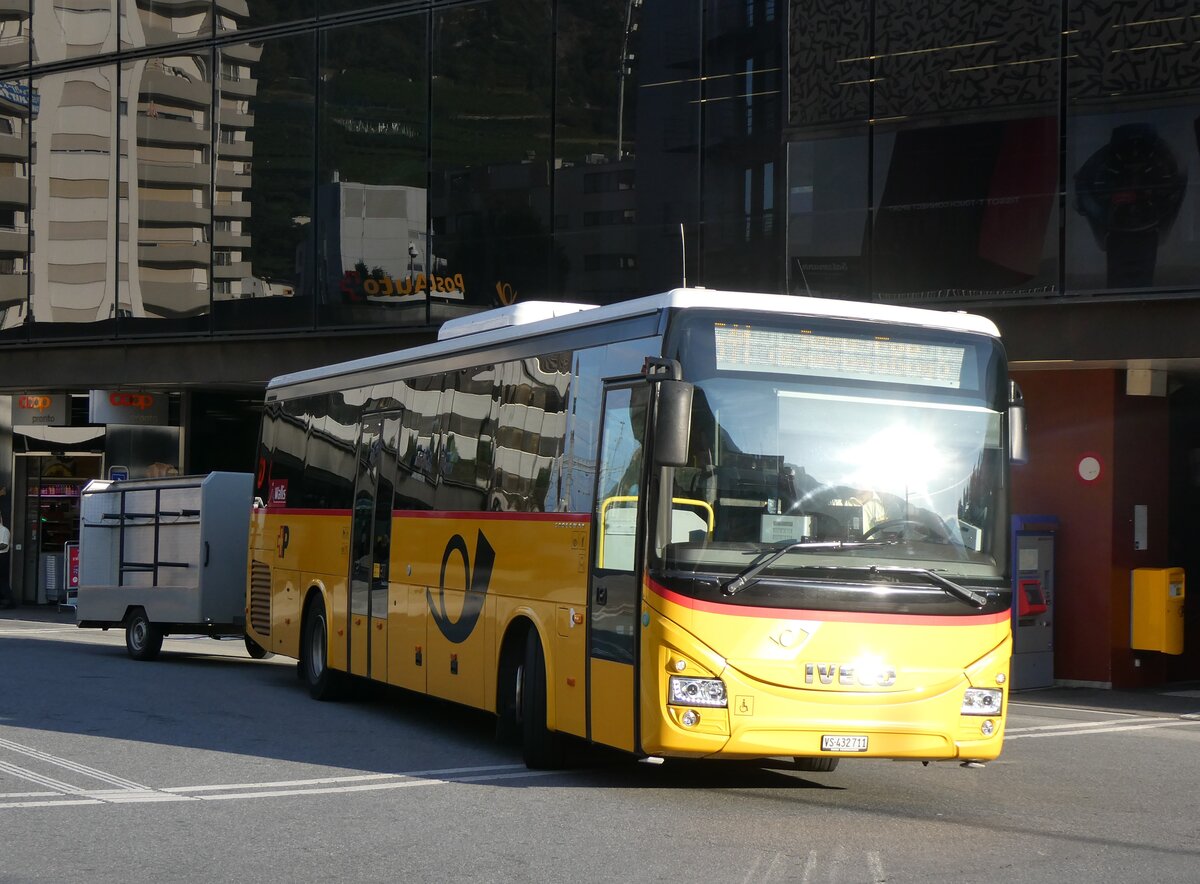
(41, 410)
(128, 407)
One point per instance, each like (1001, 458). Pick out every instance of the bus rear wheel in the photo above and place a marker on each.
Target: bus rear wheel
(541, 747)
(323, 683)
(817, 765)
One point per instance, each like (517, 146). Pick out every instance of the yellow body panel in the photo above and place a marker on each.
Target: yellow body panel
(432, 640)
(538, 570)
(776, 706)
(612, 722)
(406, 637)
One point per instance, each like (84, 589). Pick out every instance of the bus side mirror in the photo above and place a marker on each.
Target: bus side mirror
(1018, 440)
(673, 424)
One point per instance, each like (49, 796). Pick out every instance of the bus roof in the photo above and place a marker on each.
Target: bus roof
(531, 318)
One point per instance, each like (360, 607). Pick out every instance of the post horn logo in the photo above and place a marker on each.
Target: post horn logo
(476, 583)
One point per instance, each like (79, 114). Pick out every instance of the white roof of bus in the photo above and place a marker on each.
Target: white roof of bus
(526, 320)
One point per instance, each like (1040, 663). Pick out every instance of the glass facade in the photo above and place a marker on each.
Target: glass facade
(204, 167)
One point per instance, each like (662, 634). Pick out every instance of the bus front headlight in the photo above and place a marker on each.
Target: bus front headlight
(697, 692)
(982, 701)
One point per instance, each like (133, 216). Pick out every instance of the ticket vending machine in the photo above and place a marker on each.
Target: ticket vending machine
(1033, 601)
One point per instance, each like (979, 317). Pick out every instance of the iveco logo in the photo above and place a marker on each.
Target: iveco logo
(847, 674)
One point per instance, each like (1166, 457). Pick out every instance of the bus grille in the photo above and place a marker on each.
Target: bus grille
(260, 597)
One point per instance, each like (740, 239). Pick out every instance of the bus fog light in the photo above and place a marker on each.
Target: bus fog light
(982, 701)
(697, 692)
(691, 718)
(988, 728)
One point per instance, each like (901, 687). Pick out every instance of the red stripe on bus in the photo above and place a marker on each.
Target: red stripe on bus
(580, 518)
(288, 511)
(834, 616)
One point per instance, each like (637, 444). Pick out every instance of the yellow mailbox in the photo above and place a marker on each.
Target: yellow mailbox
(1158, 610)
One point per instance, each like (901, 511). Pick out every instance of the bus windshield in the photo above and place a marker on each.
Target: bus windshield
(842, 435)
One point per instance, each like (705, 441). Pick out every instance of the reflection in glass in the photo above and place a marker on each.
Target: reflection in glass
(156, 22)
(239, 15)
(491, 151)
(14, 34)
(66, 29)
(1128, 184)
(668, 114)
(595, 215)
(827, 215)
(966, 210)
(743, 110)
(15, 98)
(262, 204)
(372, 200)
(74, 134)
(165, 200)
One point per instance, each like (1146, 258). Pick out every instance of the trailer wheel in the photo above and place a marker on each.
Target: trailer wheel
(255, 650)
(143, 640)
(542, 748)
(323, 683)
(817, 765)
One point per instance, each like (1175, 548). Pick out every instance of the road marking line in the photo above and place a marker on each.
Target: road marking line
(68, 802)
(350, 784)
(41, 779)
(1106, 730)
(876, 864)
(372, 787)
(810, 866)
(4, 795)
(1067, 706)
(1076, 724)
(358, 778)
(119, 782)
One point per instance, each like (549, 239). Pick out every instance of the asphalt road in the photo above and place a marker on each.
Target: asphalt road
(210, 766)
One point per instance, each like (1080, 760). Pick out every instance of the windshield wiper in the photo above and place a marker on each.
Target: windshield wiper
(970, 596)
(738, 582)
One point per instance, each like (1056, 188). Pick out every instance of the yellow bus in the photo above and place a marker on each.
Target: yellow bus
(699, 524)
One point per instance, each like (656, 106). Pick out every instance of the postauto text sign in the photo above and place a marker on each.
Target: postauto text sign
(41, 410)
(128, 407)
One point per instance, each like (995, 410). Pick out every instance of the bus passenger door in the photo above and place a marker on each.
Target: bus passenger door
(613, 593)
(370, 545)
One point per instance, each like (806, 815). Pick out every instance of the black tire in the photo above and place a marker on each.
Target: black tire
(823, 764)
(541, 747)
(508, 692)
(323, 682)
(143, 640)
(257, 651)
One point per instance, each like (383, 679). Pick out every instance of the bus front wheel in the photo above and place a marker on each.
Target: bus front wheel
(323, 683)
(542, 748)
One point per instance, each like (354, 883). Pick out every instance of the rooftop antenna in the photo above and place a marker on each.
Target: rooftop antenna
(683, 253)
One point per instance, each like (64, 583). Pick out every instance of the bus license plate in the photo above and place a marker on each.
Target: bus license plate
(840, 743)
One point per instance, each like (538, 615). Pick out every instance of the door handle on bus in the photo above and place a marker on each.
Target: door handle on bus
(601, 595)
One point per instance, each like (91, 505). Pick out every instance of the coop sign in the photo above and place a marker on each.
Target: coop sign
(138, 407)
(41, 410)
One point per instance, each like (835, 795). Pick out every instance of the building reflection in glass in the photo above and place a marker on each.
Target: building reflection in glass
(16, 100)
